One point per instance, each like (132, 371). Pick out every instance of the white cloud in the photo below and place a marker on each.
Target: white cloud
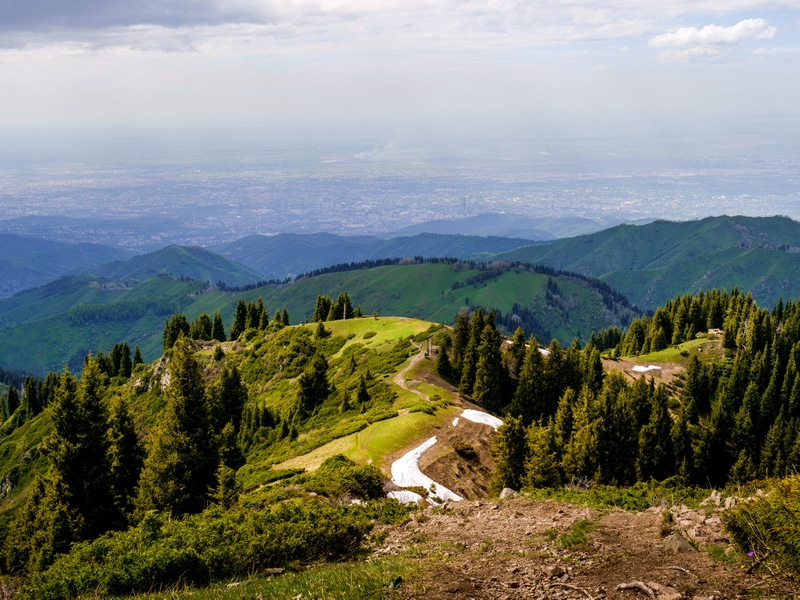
(715, 35)
(780, 51)
(696, 54)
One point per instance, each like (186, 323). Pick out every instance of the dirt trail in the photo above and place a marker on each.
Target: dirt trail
(511, 549)
(400, 378)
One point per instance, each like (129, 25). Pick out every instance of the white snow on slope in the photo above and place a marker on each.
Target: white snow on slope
(406, 473)
(643, 369)
(405, 496)
(477, 416)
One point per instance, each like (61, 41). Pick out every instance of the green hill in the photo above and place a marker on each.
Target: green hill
(285, 254)
(652, 263)
(46, 328)
(26, 262)
(188, 262)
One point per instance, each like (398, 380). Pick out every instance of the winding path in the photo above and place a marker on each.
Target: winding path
(400, 378)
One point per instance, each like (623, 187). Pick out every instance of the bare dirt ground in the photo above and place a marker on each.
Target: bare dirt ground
(511, 549)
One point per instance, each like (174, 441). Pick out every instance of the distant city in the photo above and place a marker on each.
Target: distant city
(144, 192)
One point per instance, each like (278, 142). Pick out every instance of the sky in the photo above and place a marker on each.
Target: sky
(622, 64)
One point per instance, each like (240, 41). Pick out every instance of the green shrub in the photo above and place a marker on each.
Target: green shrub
(464, 450)
(159, 553)
(767, 528)
(339, 476)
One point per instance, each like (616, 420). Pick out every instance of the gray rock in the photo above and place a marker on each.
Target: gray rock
(508, 493)
(677, 543)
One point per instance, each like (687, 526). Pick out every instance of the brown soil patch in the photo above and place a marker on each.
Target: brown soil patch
(468, 476)
(666, 374)
(511, 549)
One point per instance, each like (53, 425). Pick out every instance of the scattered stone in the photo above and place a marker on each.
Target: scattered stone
(508, 493)
(637, 585)
(554, 571)
(676, 543)
(274, 571)
(730, 502)
(664, 592)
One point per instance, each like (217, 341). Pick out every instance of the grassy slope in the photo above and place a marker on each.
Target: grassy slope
(189, 262)
(652, 263)
(43, 337)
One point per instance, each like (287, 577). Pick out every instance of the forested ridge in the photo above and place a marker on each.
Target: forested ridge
(163, 461)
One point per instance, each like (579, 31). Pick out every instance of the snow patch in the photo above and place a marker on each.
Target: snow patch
(455, 421)
(406, 473)
(405, 496)
(643, 369)
(477, 416)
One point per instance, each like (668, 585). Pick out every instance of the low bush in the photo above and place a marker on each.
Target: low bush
(160, 553)
(767, 528)
(338, 476)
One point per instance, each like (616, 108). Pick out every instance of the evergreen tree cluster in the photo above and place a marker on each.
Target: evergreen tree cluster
(736, 419)
(253, 315)
(119, 361)
(100, 475)
(326, 309)
(35, 397)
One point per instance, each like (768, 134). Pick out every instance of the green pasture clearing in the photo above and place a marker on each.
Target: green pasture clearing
(386, 329)
(374, 443)
(709, 348)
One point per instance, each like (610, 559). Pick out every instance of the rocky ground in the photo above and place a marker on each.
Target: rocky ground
(521, 548)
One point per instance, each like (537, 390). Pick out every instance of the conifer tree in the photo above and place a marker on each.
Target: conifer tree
(12, 401)
(227, 399)
(516, 355)
(542, 465)
(200, 329)
(182, 459)
(528, 402)
(509, 451)
(126, 454)
(580, 459)
(218, 328)
(125, 362)
(137, 356)
(489, 384)
(460, 341)
(313, 385)
(362, 395)
(31, 396)
(321, 309)
(344, 308)
(78, 449)
(239, 320)
(470, 359)
(656, 452)
(443, 366)
(173, 328)
(285, 317)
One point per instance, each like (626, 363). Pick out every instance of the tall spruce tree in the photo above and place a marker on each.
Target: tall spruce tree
(218, 328)
(314, 387)
(489, 384)
(239, 320)
(126, 454)
(78, 449)
(181, 461)
(509, 451)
